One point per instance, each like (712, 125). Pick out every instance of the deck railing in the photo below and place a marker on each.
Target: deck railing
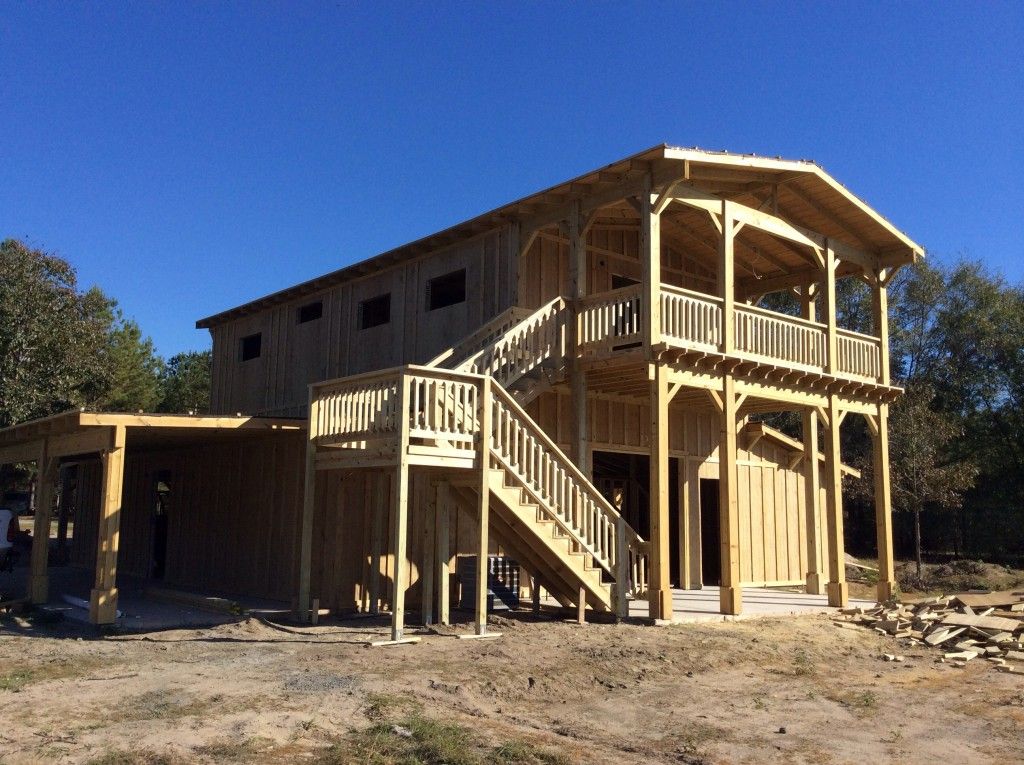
(356, 409)
(776, 337)
(610, 321)
(691, 317)
(859, 355)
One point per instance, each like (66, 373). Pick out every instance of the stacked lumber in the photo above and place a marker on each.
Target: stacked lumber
(988, 626)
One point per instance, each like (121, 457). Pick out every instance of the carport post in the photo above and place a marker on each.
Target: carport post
(46, 475)
(103, 599)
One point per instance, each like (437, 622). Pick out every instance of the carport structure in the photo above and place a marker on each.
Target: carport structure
(76, 434)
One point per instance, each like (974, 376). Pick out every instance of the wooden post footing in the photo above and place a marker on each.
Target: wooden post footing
(103, 606)
(838, 594)
(885, 590)
(660, 604)
(814, 584)
(38, 589)
(730, 600)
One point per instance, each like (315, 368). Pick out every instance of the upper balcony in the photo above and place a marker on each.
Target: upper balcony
(613, 322)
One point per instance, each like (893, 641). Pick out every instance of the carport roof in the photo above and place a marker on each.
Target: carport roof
(79, 432)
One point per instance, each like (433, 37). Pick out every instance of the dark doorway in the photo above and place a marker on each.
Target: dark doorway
(710, 544)
(161, 509)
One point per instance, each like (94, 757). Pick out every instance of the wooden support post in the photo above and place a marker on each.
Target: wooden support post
(727, 279)
(837, 589)
(650, 265)
(660, 599)
(427, 570)
(380, 514)
(442, 556)
(46, 476)
(581, 606)
(577, 378)
(400, 505)
(812, 481)
(308, 510)
(535, 595)
(685, 526)
(484, 454)
(883, 506)
(730, 593)
(621, 570)
(103, 598)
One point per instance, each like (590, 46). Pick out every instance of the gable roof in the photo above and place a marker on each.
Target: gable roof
(808, 195)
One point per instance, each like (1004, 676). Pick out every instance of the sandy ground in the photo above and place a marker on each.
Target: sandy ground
(547, 691)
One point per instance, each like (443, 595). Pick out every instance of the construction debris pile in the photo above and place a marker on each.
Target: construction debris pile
(968, 626)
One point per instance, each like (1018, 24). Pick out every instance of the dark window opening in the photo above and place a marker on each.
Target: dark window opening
(446, 290)
(160, 511)
(251, 346)
(619, 281)
(375, 311)
(311, 312)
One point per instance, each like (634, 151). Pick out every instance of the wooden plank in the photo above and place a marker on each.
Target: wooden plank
(660, 589)
(730, 593)
(886, 586)
(837, 588)
(103, 598)
(400, 505)
(442, 556)
(308, 510)
(484, 488)
(47, 468)
(982, 622)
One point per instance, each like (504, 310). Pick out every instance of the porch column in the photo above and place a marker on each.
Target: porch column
(837, 589)
(883, 505)
(46, 476)
(730, 593)
(660, 597)
(308, 510)
(577, 379)
(427, 570)
(727, 280)
(832, 337)
(815, 584)
(103, 599)
(650, 265)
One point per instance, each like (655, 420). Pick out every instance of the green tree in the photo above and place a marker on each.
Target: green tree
(51, 336)
(133, 369)
(186, 383)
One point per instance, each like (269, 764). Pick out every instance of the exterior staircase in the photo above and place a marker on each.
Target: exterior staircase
(464, 412)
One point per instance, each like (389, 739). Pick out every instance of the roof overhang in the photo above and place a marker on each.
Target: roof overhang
(809, 194)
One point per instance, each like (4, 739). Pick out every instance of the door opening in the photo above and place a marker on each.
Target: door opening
(710, 543)
(160, 510)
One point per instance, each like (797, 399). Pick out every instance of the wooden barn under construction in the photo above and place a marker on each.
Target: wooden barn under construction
(575, 380)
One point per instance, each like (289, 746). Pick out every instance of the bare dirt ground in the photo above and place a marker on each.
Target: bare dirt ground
(781, 690)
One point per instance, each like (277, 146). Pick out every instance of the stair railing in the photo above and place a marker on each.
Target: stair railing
(480, 339)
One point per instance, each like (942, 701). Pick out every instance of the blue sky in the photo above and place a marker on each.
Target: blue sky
(190, 157)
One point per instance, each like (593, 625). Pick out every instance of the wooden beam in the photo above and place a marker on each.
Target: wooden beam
(660, 587)
(577, 379)
(730, 593)
(103, 598)
(837, 588)
(24, 452)
(883, 506)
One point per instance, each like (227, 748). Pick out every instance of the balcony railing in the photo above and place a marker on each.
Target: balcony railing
(693, 320)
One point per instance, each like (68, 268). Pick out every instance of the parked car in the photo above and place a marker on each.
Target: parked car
(10, 530)
(19, 502)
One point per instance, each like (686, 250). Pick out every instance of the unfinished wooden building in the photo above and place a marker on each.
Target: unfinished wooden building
(574, 380)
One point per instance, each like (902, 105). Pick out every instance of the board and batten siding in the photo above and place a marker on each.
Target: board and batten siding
(233, 518)
(293, 355)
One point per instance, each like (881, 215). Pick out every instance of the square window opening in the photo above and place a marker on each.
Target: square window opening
(251, 346)
(375, 311)
(311, 312)
(446, 290)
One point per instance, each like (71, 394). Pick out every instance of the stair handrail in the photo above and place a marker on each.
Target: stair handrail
(481, 337)
(606, 553)
(553, 310)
